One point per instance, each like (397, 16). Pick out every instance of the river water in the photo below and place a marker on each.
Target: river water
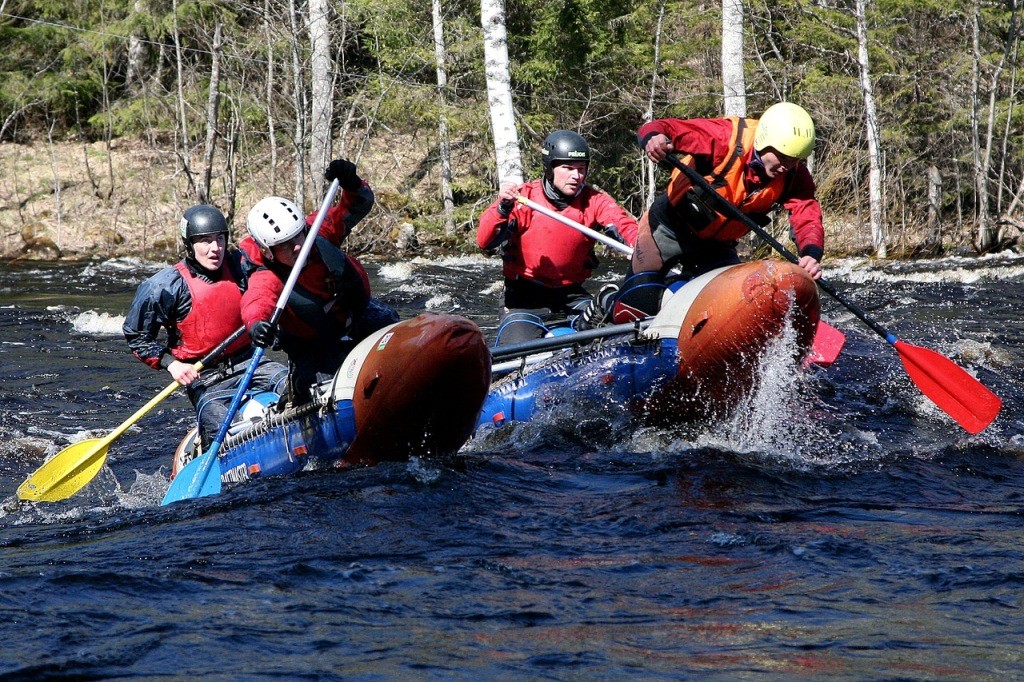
(836, 526)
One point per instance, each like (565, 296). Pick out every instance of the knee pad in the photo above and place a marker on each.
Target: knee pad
(640, 297)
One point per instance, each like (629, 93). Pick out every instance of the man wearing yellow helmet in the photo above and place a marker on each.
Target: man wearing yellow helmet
(755, 164)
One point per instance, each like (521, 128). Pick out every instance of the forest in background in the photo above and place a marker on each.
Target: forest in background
(115, 115)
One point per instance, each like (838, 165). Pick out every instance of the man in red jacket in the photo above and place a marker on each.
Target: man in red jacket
(330, 309)
(545, 261)
(755, 164)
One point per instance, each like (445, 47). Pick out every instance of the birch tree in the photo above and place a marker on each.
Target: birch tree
(648, 169)
(875, 199)
(271, 127)
(499, 92)
(321, 87)
(212, 105)
(733, 83)
(184, 154)
(298, 100)
(440, 58)
(136, 49)
(983, 236)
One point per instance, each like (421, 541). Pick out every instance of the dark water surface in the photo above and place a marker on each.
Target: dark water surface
(836, 527)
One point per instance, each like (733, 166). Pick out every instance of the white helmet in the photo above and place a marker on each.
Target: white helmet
(274, 221)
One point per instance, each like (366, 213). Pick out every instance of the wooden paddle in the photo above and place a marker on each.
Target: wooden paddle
(946, 384)
(195, 480)
(828, 341)
(73, 467)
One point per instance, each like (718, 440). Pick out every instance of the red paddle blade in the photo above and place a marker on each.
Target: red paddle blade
(949, 386)
(828, 343)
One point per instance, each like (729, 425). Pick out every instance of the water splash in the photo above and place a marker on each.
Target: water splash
(989, 268)
(98, 324)
(400, 271)
(445, 302)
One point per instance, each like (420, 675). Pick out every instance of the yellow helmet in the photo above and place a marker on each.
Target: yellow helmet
(787, 128)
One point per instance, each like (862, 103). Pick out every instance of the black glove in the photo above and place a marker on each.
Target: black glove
(613, 232)
(263, 334)
(345, 173)
(505, 207)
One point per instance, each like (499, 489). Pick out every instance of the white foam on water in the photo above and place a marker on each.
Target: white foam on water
(455, 262)
(444, 302)
(399, 271)
(494, 289)
(781, 419)
(97, 324)
(415, 289)
(991, 267)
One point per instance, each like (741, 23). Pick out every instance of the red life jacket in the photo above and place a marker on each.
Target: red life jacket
(729, 180)
(215, 314)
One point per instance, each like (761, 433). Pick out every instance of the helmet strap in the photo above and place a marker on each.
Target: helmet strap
(757, 164)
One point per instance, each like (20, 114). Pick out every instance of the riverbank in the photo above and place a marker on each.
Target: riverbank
(74, 200)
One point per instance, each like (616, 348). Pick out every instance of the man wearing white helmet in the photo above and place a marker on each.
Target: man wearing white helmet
(756, 164)
(330, 309)
(196, 302)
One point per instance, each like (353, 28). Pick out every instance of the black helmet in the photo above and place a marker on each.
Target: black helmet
(200, 220)
(562, 146)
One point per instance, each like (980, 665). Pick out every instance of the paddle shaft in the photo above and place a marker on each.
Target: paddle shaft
(727, 208)
(593, 234)
(205, 360)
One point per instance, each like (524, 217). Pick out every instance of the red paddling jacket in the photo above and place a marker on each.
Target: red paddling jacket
(332, 287)
(544, 250)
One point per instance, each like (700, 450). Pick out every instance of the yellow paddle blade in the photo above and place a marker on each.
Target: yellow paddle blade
(67, 473)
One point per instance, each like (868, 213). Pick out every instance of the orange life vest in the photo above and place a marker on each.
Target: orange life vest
(729, 180)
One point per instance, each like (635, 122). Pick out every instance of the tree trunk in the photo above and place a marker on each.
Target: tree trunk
(233, 126)
(876, 201)
(212, 104)
(441, 57)
(499, 92)
(647, 167)
(183, 147)
(984, 236)
(137, 48)
(934, 240)
(299, 102)
(322, 89)
(734, 85)
(271, 92)
(986, 165)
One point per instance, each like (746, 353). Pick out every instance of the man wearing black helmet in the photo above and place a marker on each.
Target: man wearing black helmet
(546, 262)
(196, 302)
